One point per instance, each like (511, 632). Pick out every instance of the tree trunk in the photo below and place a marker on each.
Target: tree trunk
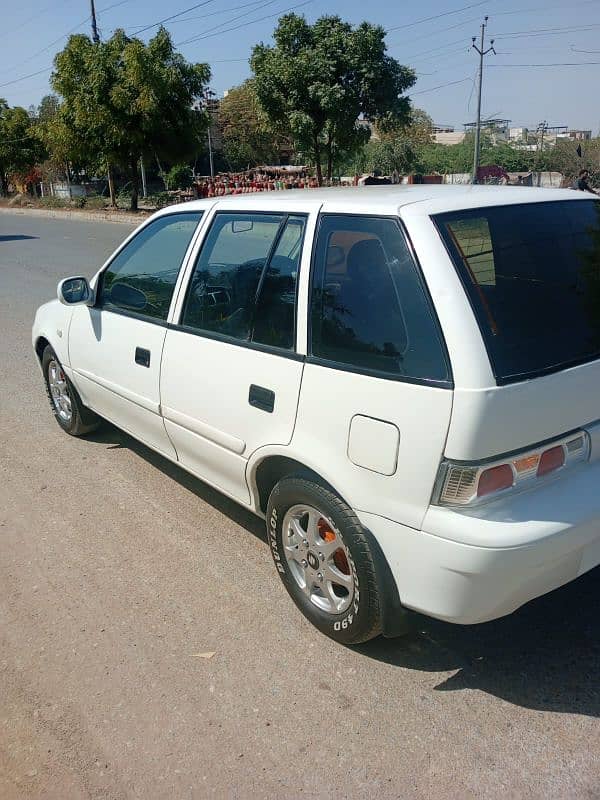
(317, 156)
(3, 184)
(111, 186)
(135, 187)
(329, 150)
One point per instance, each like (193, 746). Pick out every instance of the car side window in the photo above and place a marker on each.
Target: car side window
(244, 282)
(369, 309)
(142, 277)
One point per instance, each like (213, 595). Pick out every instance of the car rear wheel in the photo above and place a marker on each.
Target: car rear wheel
(70, 413)
(324, 559)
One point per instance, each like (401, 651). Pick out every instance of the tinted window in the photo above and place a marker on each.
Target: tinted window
(532, 273)
(244, 282)
(275, 317)
(369, 308)
(142, 276)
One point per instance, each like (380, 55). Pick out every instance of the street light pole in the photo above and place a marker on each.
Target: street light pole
(482, 53)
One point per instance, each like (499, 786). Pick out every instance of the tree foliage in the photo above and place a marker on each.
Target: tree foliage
(20, 148)
(317, 80)
(123, 99)
(248, 138)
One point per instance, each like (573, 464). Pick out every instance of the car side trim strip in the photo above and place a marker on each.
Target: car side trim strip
(214, 435)
(126, 394)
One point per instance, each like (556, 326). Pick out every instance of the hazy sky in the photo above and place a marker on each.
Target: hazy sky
(527, 32)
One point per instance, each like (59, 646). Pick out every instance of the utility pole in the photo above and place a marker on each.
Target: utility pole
(541, 129)
(95, 37)
(482, 52)
(208, 95)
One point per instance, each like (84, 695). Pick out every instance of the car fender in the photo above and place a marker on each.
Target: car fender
(51, 322)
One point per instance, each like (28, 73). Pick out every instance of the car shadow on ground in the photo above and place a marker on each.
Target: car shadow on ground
(16, 237)
(115, 438)
(545, 656)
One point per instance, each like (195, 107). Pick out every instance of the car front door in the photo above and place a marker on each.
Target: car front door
(115, 347)
(231, 374)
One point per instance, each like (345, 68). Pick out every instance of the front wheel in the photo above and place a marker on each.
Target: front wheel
(70, 413)
(324, 560)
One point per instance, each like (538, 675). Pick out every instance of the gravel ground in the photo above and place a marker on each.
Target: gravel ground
(119, 574)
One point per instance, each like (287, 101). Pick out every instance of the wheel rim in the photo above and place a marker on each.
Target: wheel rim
(59, 391)
(318, 559)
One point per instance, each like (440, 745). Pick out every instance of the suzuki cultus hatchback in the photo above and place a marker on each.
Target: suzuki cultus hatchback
(403, 381)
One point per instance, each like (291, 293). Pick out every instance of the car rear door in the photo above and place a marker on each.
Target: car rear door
(115, 348)
(231, 373)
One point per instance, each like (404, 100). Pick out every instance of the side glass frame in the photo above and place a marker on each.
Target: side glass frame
(443, 384)
(96, 282)
(310, 222)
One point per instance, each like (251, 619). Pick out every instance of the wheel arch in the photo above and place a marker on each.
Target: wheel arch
(40, 345)
(268, 470)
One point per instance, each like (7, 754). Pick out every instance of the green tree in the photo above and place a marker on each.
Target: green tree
(20, 148)
(123, 99)
(248, 138)
(179, 177)
(318, 80)
(564, 158)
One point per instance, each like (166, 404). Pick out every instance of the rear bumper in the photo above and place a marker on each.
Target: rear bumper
(470, 568)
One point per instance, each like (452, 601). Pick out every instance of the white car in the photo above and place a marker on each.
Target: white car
(403, 381)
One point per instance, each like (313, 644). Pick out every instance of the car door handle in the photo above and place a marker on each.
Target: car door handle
(262, 398)
(142, 357)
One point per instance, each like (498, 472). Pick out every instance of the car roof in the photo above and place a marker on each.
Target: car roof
(432, 198)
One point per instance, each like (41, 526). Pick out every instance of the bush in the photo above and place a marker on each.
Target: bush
(179, 177)
(158, 200)
(54, 202)
(95, 202)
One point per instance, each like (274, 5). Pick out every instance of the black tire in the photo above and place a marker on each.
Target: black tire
(82, 420)
(363, 619)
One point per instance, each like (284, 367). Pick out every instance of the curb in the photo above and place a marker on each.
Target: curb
(94, 216)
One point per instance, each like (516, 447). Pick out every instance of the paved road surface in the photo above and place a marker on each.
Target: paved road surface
(117, 569)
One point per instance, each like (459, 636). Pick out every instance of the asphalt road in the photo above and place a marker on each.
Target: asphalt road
(118, 572)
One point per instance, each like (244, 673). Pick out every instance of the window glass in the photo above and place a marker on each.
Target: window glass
(369, 309)
(473, 240)
(275, 315)
(542, 310)
(142, 276)
(244, 282)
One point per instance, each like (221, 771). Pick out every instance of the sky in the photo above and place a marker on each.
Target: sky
(546, 66)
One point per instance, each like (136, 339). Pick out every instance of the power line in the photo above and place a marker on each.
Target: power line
(210, 14)
(64, 36)
(437, 16)
(167, 19)
(237, 27)
(227, 21)
(441, 86)
(24, 77)
(535, 32)
(555, 64)
(436, 33)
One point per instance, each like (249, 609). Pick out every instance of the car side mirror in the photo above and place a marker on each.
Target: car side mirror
(74, 291)
(127, 297)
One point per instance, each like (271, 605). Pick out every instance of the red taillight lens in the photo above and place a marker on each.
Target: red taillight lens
(551, 459)
(495, 479)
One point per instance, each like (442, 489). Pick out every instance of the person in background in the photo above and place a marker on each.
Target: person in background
(581, 183)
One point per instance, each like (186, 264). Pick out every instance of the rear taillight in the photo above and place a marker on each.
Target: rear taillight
(471, 484)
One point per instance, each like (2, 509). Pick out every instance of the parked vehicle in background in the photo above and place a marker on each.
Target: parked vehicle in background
(403, 381)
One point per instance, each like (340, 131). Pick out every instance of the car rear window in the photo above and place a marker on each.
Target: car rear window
(532, 274)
